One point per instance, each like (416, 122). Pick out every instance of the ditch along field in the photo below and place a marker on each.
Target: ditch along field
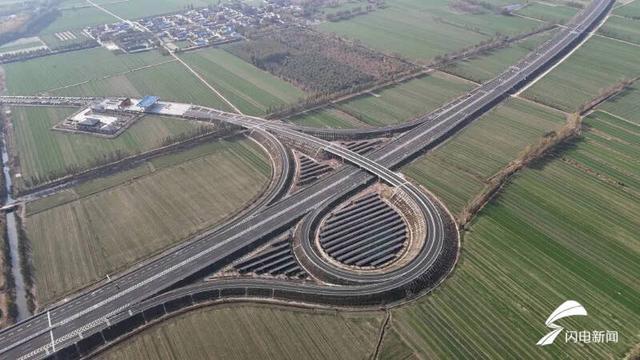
(423, 29)
(255, 331)
(44, 154)
(79, 236)
(564, 229)
(599, 63)
(252, 90)
(390, 105)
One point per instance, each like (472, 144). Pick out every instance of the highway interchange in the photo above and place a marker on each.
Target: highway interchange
(139, 289)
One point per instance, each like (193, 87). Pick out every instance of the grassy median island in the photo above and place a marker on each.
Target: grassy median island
(45, 154)
(105, 226)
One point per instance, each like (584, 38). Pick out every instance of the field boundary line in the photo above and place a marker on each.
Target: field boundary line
(534, 102)
(618, 40)
(383, 328)
(616, 116)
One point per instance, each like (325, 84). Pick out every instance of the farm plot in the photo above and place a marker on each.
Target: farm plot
(621, 28)
(134, 9)
(168, 80)
(421, 30)
(588, 70)
(630, 10)
(45, 154)
(566, 229)
(487, 66)
(77, 18)
(457, 170)
(625, 105)
(328, 117)
(407, 100)
(252, 90)
(41, 74)
(79, 242)
(548, 12)
(250, 332)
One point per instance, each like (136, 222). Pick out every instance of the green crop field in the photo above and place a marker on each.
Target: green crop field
(78, 242)
(621, 28)
(566, 229)
(548, 12)
(457, 170)
(487, 66)
(49, 72)
(328, 117)
(252, 332)
(631, 10)
(45, 154)
(390, 105)
(252, 90)
(625, 105)
(422, 30)
(134, 9)
(407, 100)
(590, 69)
(77, 19)
(170, 81)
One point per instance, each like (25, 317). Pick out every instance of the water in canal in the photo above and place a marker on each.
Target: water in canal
(12, 234)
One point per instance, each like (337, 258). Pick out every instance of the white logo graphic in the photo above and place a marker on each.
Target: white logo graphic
(568, 308)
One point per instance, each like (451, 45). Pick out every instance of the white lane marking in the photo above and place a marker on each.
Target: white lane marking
(53, 343)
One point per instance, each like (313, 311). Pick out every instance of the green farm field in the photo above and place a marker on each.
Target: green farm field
(487, 66)
(630, 10)
(625, 105)
(457, 170)
(103, 227)
(547, 12)
(253, 331)
(77, 19)
(98, 72)
(587, 71)
(50, 72)
(621, 28)
(45, 154)
(169, 80)
(564, 229)
(328, 117)
(393, 104)
(421, 30)
(252, 90)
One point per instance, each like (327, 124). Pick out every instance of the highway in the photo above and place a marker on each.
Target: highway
(67, 323)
